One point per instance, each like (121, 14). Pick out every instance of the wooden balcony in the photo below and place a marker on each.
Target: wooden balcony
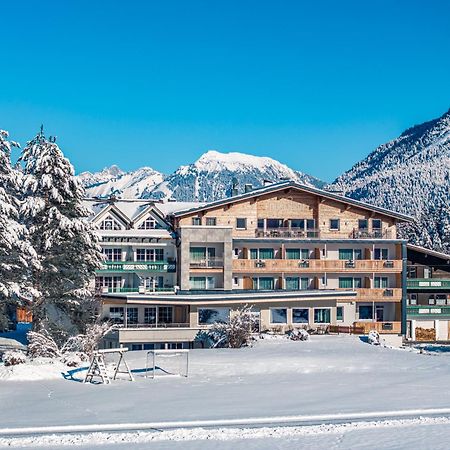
(381, 327)
(378, 294)
(316, 265)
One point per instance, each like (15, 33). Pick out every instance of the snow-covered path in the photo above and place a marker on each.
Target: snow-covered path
(326, 376)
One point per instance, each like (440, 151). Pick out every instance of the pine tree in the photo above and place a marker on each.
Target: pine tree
(16, 253)
(64, 240)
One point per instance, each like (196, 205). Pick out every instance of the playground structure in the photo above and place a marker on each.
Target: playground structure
(97, 368)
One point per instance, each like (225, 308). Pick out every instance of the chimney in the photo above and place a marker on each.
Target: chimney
(248, 188)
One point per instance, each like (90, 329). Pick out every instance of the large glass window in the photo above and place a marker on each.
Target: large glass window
(300, 315)
(297, 253)
(274, 223)
(345, 283)
(381, 253)
(165, 314)
(199, 283)
(293, 283)
(113, 254)
(381, 282)
(198, 253)
(365, 312)
(150, 315)
(322, 315)
(265, 283)
(132, 316)
(109, 282)
(207, 316)
(346, 253)
(266, 253)
(298, 223)
(149, 254)
(116, 314)
(278, 315)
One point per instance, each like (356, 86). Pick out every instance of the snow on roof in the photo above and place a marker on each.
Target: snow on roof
(288, 184)
(132, 208)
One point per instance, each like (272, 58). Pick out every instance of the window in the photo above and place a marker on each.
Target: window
(260, 224)
(322, 315)
(211, 221)
(199, 283)
(274, 223)
(262, 253)
(334, 224)
(431, 300)
(365, 312)
(113, 254)
(376, 224)
(109, 224)
(298, 223)
(132, 316)
(300, 315)
(266, 253)
(150, 254)
(208, 316)
(236, 281)
(381, 253)
(296, 283)
(278, 315)
(263, 283)
(241, 223)
(165, 314)
(236, 252)
(150, 315)
(350, 254)
(350, 283)
(109, 282)
(116, 315)
(340, 313)
(297, 253)
(381, 282)
(196, 221)
(148, 224)
(198, 253)
(363, 224)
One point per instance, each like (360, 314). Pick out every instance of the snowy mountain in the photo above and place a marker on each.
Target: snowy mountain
(112, 180)
(209, 178)
(410, 174)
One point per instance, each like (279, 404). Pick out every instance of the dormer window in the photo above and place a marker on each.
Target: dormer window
(148, 224)
(109, 224)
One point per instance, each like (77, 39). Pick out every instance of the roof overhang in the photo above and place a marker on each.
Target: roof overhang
(300, 187)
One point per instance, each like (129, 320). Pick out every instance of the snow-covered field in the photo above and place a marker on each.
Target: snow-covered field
(332, 391)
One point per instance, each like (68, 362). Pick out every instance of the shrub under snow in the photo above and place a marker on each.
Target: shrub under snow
(298, 334)
(13, 357)
(234, 334)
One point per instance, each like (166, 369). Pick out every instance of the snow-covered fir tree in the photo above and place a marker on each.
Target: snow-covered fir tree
(16, 253)
(65, 242)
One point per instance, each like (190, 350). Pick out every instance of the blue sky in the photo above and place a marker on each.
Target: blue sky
(316, 85)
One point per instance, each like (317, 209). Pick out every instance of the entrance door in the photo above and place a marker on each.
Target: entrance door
(379, 313)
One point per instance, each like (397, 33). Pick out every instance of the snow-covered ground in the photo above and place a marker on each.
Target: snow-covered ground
(332, 390)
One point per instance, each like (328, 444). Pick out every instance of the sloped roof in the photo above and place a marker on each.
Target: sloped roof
(301, 187)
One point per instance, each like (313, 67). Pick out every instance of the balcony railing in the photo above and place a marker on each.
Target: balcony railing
(315, 265)
(427, 310)
(137, 266)
(374, 234)
(134, 290)
(208, 263)
(154, 325)
(287, 233)
(428, 283)
(378, 294)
